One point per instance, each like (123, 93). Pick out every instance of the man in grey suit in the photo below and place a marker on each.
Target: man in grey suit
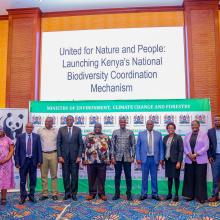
(69, 150)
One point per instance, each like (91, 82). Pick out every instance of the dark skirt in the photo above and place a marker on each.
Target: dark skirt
(170, 169)
(195, 183)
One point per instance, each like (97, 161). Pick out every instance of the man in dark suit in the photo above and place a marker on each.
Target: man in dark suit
(28, 156)
(214, 156)
(69, 149)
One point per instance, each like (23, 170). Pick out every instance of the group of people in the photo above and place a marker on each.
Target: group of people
(50, 146)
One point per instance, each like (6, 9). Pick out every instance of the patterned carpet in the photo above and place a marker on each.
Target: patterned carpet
(109, 210)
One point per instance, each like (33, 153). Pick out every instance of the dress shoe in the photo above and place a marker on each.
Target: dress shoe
(213, 199)
(116, 197)
(42, 198)
(156, 198)
(55, 197)
(22, 201)
(103, 197)
(189, 199)
(32, 199)
(202, 201)
(129, 198)
(90, 197)
(74, 198)
(176, 199)
(66, 197)
(141, 198)
(169, 196)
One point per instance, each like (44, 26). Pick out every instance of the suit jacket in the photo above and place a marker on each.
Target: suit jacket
(20, 150)
(142, 146)
(69, 149)
(176, 148)
(212, 143)
(201, 147)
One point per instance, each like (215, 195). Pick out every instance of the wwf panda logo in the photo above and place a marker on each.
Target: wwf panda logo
(13, 125)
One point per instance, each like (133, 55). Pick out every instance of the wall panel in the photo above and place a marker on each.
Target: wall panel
(123, 20)
(3, 60)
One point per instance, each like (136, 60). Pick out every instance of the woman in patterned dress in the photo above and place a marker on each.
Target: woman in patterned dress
(6, 165)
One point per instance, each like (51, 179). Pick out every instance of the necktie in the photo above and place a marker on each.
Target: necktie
(150, 144)
(29, 146)
(69, 133)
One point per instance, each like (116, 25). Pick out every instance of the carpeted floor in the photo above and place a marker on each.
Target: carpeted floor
(109, 210)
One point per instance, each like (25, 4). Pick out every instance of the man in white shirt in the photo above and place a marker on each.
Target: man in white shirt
(48, 137)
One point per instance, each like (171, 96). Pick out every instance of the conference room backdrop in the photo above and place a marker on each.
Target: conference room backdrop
(136, 112)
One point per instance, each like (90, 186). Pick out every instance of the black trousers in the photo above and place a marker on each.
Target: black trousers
(28, 169)
(96, 178)
(195, 184)
(127, 170)
(70, 177)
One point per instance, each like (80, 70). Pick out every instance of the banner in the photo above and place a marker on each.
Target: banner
(13, 121)
(137, 112)
(113, 64)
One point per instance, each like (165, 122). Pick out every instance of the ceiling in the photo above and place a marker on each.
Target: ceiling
(68, 5)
